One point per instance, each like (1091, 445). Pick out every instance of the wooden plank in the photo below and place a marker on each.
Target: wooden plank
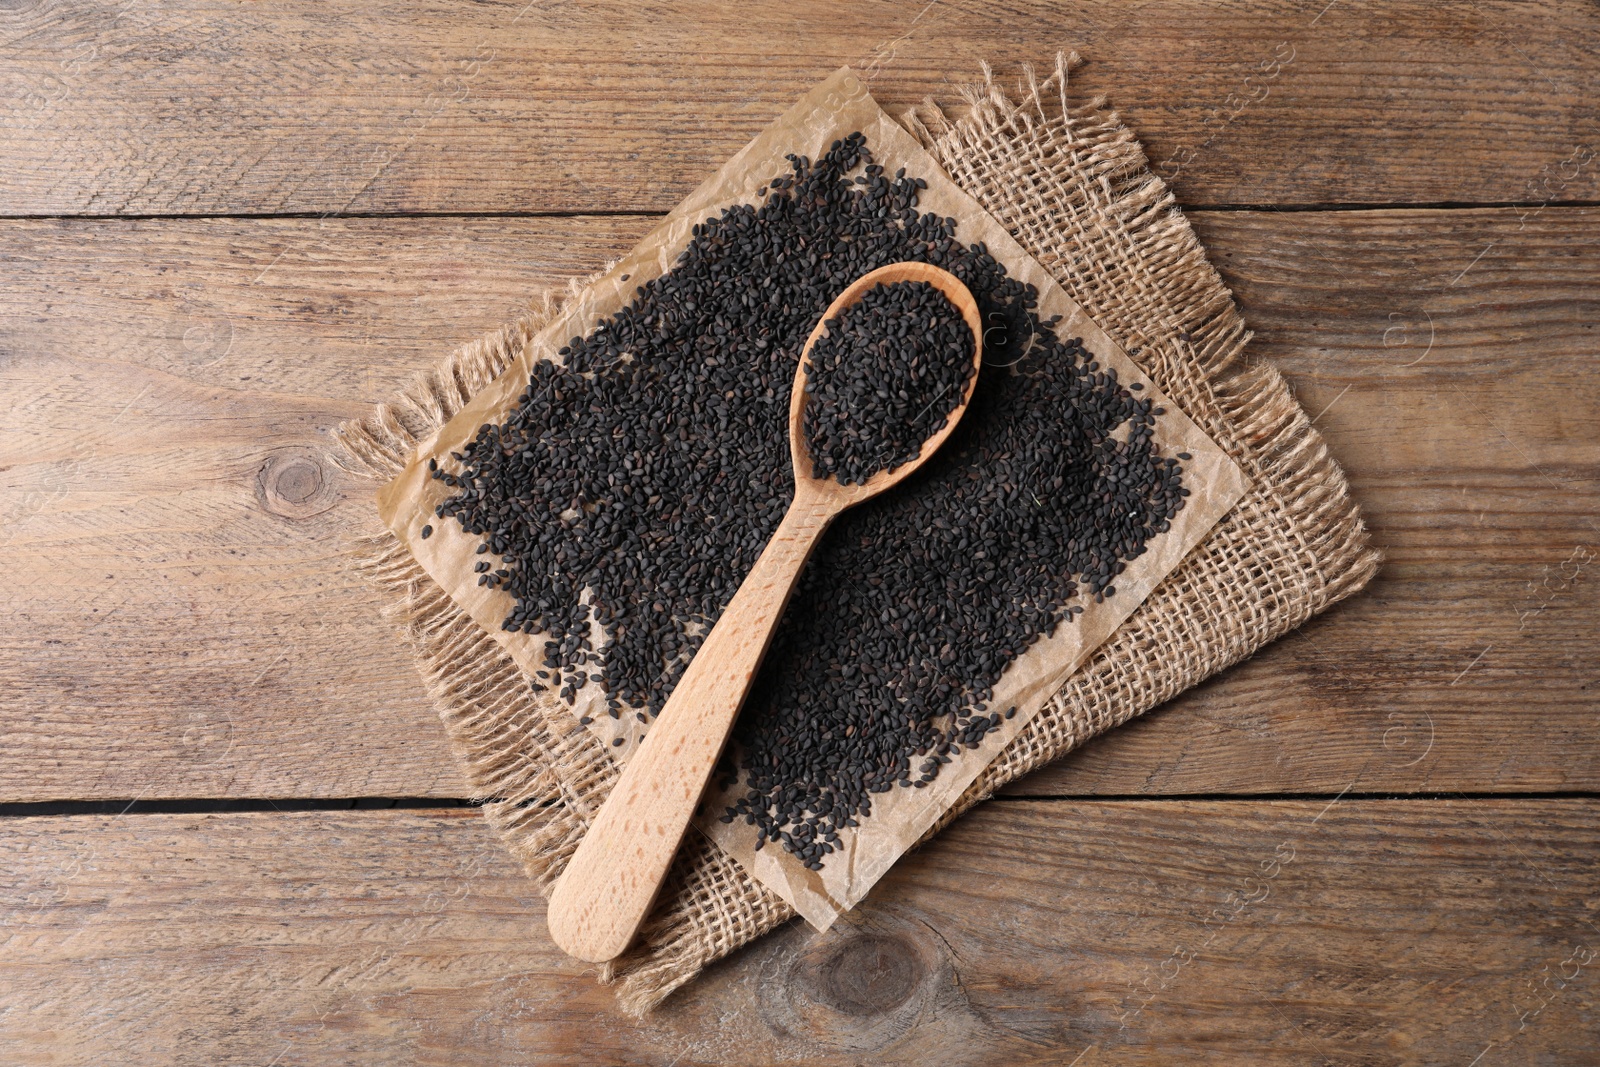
(207, 107)
(181, 622)
(1032, 932)
(162, 549)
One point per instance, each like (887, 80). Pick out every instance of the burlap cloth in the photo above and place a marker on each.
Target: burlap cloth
(1072, 186)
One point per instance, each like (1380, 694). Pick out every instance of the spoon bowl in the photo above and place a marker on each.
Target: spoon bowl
(609, 885)
(959, 296)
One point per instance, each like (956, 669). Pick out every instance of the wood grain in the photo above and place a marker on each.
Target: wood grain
(211, 107)
(1032, 932)
(180, 623)
(170, 523)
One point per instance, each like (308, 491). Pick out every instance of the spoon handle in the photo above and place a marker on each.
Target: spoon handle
(609, 885)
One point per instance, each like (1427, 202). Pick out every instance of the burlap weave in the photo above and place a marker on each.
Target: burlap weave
(1072, 186)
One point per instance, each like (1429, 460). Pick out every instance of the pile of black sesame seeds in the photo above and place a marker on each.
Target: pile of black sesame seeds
(625, 497)
(883, 379)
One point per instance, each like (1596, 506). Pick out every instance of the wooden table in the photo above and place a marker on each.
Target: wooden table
(232, 831)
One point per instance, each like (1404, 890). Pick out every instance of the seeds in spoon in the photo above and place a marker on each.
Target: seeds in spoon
(884, 378)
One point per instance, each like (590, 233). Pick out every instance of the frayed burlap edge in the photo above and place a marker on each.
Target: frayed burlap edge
(1072, 185)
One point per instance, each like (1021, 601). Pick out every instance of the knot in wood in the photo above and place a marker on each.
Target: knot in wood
(294, 485)
(870, 975)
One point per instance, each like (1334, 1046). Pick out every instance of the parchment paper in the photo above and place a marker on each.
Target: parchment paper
(837, 107)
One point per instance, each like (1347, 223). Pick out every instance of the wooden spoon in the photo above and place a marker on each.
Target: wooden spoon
(611, 882)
